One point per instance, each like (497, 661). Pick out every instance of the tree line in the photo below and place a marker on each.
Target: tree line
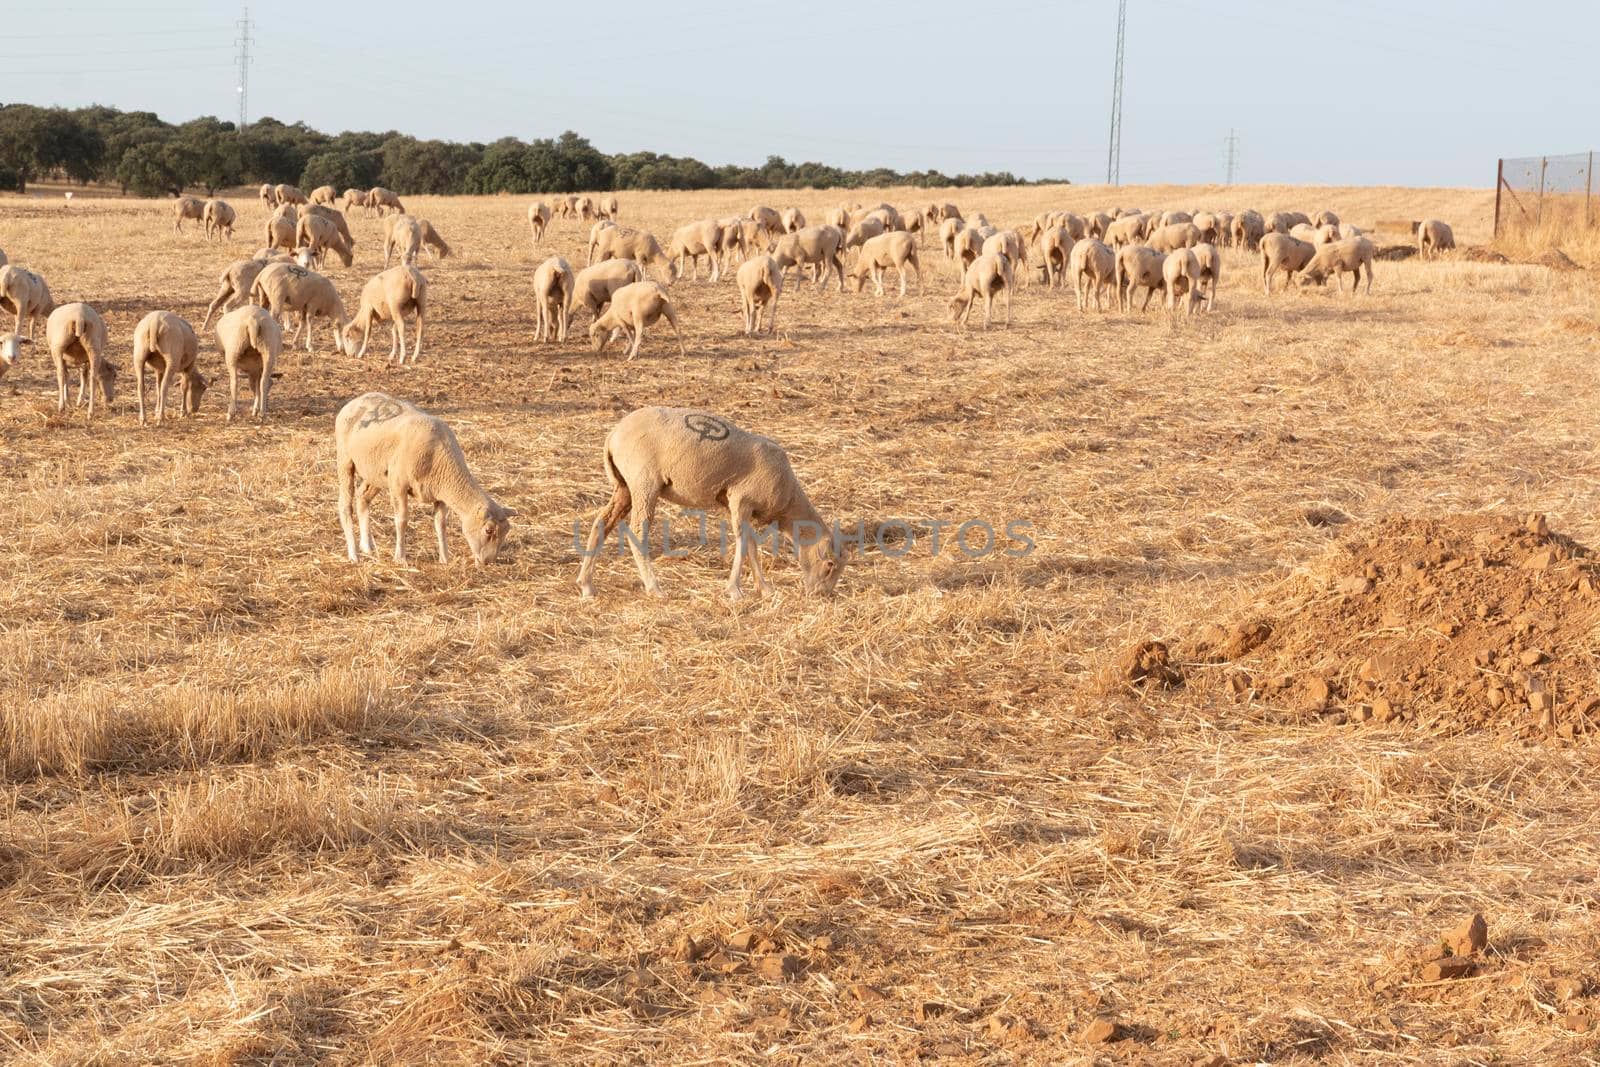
(141, 154)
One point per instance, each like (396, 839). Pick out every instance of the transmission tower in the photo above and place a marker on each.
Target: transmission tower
(244, 41)
(1114, 150)
(1233, 154)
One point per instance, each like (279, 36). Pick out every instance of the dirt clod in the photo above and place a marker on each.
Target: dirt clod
(868, 994)
(779, 968)
(1449, 967)
(1470, 937)
(1149, 663)
(1102, 1032)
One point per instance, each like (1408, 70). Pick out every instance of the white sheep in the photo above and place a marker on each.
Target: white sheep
(895, 249)
(538, 219)
(948, 229)
(382, 200)
(1210, 260)
(188, 207)
(819, 245)
(694, 240)
(1092, 263)
(269, 195)
(402, 237)
(1171, 237)
(770, 220)
(319, 236)
(968, 245)
(390, 296)
(352, 198)
(289, 194)
(1433, 237)
(609, 207)
(218, 217)
(1010, 244)
(1138, 266)
(1126, 231)
(324, 194)
(235, 282)
(641, 246)
(633, 307)
(987, 275)
(1339, 259)
(279, 229)
(1055, 248)
(594, 285)
(1304, 231)
(77, 335)
(1280, 252)
(390, 444)
(595, 231)
(699, 460)
(11, 351)
(25, 295)
(1324, 218)
(1248, 229)
(166, 343)
(760, 282)
(552, 296)
(251, 341)
(794, 220)
(288, 288)
(1180, 276)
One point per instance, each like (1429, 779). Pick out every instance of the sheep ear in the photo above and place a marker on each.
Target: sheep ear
(509, 513)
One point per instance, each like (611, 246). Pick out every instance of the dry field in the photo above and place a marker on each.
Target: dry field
(264, 805)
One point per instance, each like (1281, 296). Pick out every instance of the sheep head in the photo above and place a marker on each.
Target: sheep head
(486, 531)
(11, 350)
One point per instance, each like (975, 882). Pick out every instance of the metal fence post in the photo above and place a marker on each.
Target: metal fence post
(1538, 215)
(1499, 183)
(1588, 188)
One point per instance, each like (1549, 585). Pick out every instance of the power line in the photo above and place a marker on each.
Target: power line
(1232, 142)
(1114, 149)
(244, 41)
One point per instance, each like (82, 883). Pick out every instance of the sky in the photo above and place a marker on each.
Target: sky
(1353, 92)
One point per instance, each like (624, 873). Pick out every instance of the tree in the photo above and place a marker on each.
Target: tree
(210, 154)
(35, 141)
(151, 169)
(342, 169)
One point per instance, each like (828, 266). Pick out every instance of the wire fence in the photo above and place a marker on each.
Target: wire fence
(1546, 194)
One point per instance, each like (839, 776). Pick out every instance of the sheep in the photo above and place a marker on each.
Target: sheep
(1138, 266)
(760, 281)
(1076, 225)
(912, 222)
(693, 241)
(947, 236)
(863, 231)
(218, 217)
(968, 245)
(1347, 231)
(609, 207)
(250, 340)
(1324, 218)
(1338, 259)
(187, 207)
(1210, 261)
(1433, 237)
(1092, 263)
(1248, 229)
(77, 334)
(392, 444)
(352, 198)
(821, 245)
(1055, 247)
(888, 213)
(894, 249)
(166, 343)
(285, 288)
(583, 206)
(641, 246)
(770, 220)
(1285, 221)
(402, 236)
(840, 217)
(538, 219)
(699, 460)
(1125, 231)
(794, 220)
(1180, 276)
(269, 195)
(279, 231)
(978, 222)
(1207, 223)
(987, 275)
(947, 211)
(431, 240)
(388, 297)
(730, 242)
(340, 223)
(594, 237)
(1172, 218)
(1327, 233)
(552, 295)
(288, 194)
(236, 281)
(11, 351)
(324, 194)
(1010, 244)
(1224, 229)
(593, 286)
(383, 199)
(318, 235)
(25, 295)
(1279, 251)
(1097, 223)
(568, 206)
(1304, 231)
(633, 307)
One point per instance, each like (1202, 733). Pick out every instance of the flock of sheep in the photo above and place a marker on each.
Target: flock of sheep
(688, 457)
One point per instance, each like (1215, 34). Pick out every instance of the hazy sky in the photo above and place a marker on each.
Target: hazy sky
(1350, 92)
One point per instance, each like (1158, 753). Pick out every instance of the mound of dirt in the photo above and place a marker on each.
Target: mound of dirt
(1555, 259)
(1465, 622)
(1482, 254)
(1395, 252)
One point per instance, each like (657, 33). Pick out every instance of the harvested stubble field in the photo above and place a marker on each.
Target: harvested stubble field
(265, 805)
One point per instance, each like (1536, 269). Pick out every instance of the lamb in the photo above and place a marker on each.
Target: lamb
(760, 282)
(353, 198)
(218, 217)
(391, 444)
(382, 200)
(641, 246)
(1055, 246)
(324, 194)
(1180, 275)
(822, 245)
(1248, 229)
(1210, 260)
(869, 227)
(25, 295)
(538, 219)
(1010, 244)
(1338, 259)
(1279, 251)
(633, 307)
(1125, 231)
(77, 334)
(794, 220)
(693, 241)
(552, 296)
(285, 288)
(188, 207)
(288, 194)
(269, 195)
(166, 343)
(1138, 266)
(987, 275)
(594, 285)
(1092, 263)
(894, 249)
(318, 236)
(698, 460)
(402, 236)
(1433, 237)
(235, 282)
(250, 340)
(388, 297)
(769, 220)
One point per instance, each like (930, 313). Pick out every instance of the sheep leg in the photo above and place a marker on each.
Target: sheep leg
(400, 496)
(638, 339)
(347, 488)
(838, 268)
(639, 545)
(438, 530)
(305, 322)
(604, 523)
(138, 386)
(672, 319)
(233, 402)
(772, 315)
(739, 512)
(211, 310)
(916, 265)
(364, 514)
(397, 336)
(416, 349)
(162, 382)
(61, 384)
(561, 326)
(260, 382)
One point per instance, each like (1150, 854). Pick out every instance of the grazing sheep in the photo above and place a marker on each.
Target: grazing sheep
(1224, 229)
(318, 236)
(77, 335)
(538, 219)
(760, 284)
(389, 297)
(968, 243)
(269, 195)
(594, 237)
(552, 296)
(1092, 263)
(1098, 223)
(280, 230)
(947, 210)
(821, 245)
(894, 249)
(609, 207)
(340, 223)
(584, 207)
(568, 206)
(641, 246)
(11, 351)
(1172, 218)
(218, 217)
(324, 194)
(770, 220)
(633, 307)
(948, 229)
(913, 223)
(1138, 266)
(1210, 260)
(1055, 247)
(1010, 244)
(794, 220)
(383, 200)
(987, 275)
(594, 285)
(1326, 233)
(25, 295)
(1304, 231)
(693, 241)
(730, 242)
(353, 198)
(166, 343)
(1279, 251)
(1285, 221)
(869, 227)
(432, 241)
(1180, 276)
(1125, 231)
(698, 460)
(250, 340)
(1324, 218)
(1207, 223)
(289, 194)
(1339, 259)
(187, 207)
(394, 445)
(1248, 229)
(840, 217)
(235, 282)
(288, 288)
(402, 236)
(1433, 237)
